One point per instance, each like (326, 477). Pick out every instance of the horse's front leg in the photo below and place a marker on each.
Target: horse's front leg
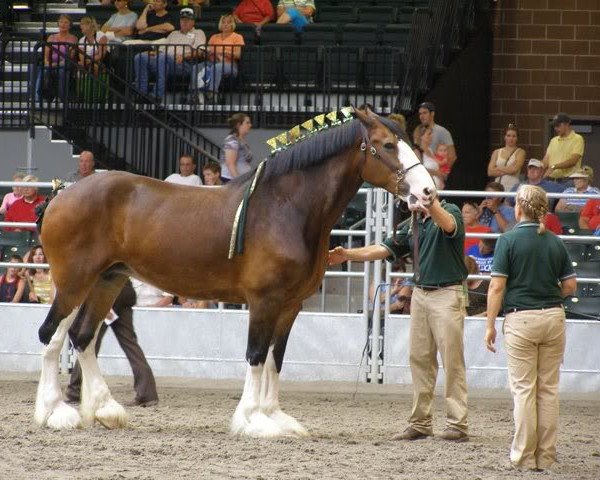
(269, 393)
(50, 409)
(97, 402)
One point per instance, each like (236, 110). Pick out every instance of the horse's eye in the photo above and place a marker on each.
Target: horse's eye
(389, 146)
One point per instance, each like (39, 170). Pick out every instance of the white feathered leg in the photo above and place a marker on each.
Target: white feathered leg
(269, 400)
(248, 419)
(50, 409)
(97, 402)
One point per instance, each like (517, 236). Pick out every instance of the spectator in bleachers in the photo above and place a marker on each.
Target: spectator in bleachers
(297, 12)
(483, 254)
(12, 285)
(506, 162)
(56, 71)
(257, 12)
(86, 166)
(212, 174)
(41, 288)
(224, 52)
(399, 119)
(186, 175)
(582, 179)
(565, 151)
(92, 46)
(552, 223)
(155, 22)
(494, 213)
(589, 218)
(121, 25)
(176, 58)
(236, 157)
(440, 134)
(535, 176)
(470, 215)
(23, 209)
(423, 139)
(11, 197)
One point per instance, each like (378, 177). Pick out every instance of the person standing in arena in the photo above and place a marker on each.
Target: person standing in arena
(437, 312)
(531, 274)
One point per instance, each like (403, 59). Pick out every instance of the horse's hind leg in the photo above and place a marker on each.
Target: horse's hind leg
(97, 402)
(49, 407)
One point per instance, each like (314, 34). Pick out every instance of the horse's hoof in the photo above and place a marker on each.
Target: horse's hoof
(64, 417)
(288, 424)
(261, 426)
(112, 415)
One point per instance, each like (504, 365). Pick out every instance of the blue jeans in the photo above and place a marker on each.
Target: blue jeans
(216, 72)
(162, 66)
(60, 71)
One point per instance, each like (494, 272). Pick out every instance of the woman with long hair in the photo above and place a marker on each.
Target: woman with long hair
(506, 162)
(531, 275)
(236, 157)
(41, 289)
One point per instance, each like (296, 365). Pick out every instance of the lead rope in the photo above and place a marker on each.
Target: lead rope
(415, 229)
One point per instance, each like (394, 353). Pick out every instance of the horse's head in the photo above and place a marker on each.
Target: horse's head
(390, 163)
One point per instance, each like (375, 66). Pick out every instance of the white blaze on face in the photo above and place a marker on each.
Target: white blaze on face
(417, 177)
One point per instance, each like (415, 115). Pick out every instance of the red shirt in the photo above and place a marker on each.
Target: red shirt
(552, 223)
(469, 242)
(591, 211)
(22, 211)
(254, 11)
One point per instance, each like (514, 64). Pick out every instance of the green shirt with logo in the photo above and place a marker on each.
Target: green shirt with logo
(441, 257)
(533, 265)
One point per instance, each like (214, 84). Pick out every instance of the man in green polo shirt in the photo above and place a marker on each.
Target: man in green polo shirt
(565, 151)
(437, 314)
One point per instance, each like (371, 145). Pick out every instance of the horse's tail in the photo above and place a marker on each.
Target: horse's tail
(40, 209)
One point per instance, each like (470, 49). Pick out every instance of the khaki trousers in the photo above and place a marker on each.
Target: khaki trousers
(437, 324)
(535, 344)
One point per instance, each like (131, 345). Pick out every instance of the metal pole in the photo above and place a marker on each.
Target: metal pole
(376, 330)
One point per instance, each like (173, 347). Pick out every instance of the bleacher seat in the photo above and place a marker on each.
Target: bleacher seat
(214, 13)
(569, 222)
(584, 308)
(247, 31)
(395, 35)
(319, 34)
(588, 270)
(343, 68)
(209, 28)
(376, 14)
(249, 73)
(336, 15)
(302, 66)
(592, 253)
(359, 34)
(276, 34)
(576, 252)
(405, 15)
(383, 67)
(14, 243)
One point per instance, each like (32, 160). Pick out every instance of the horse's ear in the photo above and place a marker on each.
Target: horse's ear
(364, 116)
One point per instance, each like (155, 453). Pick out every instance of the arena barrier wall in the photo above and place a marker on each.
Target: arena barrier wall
(322, 346)
(580, 371)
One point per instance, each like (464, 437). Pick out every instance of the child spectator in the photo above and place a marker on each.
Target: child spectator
(41, 289)
(441, 156)
(471, 220)
(12, 285)
(212, 174)
(11, 197)
(483, 254)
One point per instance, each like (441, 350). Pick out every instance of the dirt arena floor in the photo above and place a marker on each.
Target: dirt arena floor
(186, 437)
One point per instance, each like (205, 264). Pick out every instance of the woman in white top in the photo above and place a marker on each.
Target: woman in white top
(506, 162)
(92, 46)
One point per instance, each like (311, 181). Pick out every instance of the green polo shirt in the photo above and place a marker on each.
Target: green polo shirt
(533, 265)
(441, 257)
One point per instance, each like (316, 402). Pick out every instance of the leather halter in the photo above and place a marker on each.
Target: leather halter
(400, 172)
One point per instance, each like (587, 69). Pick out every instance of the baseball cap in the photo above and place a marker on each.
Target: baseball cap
(428, 105)
(534, 162)
(581, 173)
(187, 13)
(561, 118)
